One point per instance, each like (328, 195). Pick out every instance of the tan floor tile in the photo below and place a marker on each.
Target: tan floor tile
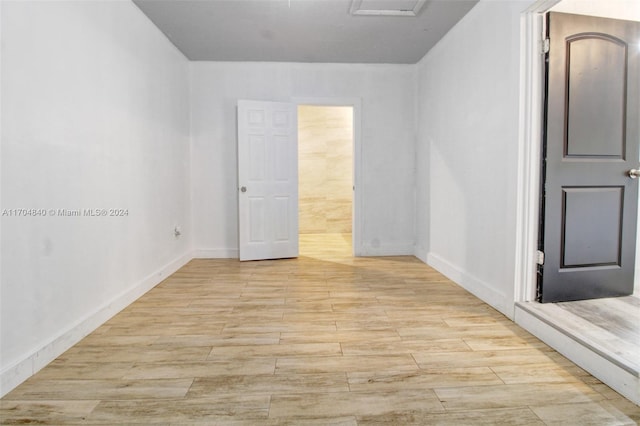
(585, 414)
(216, 410)
(501, 343)
(544, 373)
(321, 421)
(280, 327)
(223, 339)
(36, 389)
(519, 357)
(493, 417)
(280, 350)
(65, 370)
(45, 412)
(352, 403)
(339, 336)
(152, 371)
(503, 396)
(115, 354)
(423, 379)
(405, 346)
(332, 364)
(268, 384)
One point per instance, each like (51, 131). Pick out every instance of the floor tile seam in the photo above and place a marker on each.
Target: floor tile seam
(497, 375)
(455, 410)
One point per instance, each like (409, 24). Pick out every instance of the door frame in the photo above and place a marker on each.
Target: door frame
(532, 30)
(529, 148)
(357, 199)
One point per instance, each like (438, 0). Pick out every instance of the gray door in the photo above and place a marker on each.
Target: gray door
(592, 138)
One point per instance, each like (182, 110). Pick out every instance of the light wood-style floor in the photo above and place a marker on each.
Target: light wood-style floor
(325, 339)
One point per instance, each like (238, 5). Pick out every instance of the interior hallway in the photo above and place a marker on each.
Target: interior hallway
(322, 339)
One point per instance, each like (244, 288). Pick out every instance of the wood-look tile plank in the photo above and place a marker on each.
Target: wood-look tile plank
(115, 354)
(17, 412)
(404, 347)
(268, 384)
(422, 379)
(502, 343)
(538, 373)
(516, 395)
(222, 339)
(168, 329)
(65, 370)
(320, 421)
(216, 410)
(583, 414)
(488, 417)
(102, 389)
(513, 357)
(353, 403)
(279, 350)
(152, 371)
(346, 363)
(279, 327)
(339, 336)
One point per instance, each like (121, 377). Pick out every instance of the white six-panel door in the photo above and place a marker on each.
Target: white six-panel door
(267, 180)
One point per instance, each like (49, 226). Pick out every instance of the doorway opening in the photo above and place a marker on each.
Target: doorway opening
(326, 178)
(531, 131)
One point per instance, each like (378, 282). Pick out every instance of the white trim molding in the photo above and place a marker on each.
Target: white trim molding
(472, 284)
(529, 148)
(222, 253)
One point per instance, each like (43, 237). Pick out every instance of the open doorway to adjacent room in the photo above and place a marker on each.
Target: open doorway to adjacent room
(326, 178)
(600, 334)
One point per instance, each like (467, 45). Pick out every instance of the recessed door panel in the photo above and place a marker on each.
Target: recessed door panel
(281, 119)
(586, 244)
(257, 158)
(255, 118)
(282, 157)
(596, 87)
(257, 219)
(281, 205)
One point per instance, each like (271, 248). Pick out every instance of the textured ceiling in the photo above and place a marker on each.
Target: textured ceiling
(300, 30)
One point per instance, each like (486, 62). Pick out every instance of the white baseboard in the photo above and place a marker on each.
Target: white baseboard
(387, 250)
(621, 380)
(19, 371)
(421, 253)
(216, 254)
(477, 287)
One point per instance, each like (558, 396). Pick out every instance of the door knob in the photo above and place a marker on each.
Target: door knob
(243, 189)
(634, 173)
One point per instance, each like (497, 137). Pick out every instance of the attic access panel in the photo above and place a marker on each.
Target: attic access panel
(386, 7)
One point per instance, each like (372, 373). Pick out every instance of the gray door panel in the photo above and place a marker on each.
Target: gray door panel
(592, 140)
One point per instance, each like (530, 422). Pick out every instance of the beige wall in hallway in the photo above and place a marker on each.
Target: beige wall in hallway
(325, 169)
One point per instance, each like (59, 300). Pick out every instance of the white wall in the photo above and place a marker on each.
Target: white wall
(467, 152)
(388, 143)
(95, 114)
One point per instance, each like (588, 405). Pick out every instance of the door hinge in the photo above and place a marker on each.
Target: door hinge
(545, 46)
(540, 257)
